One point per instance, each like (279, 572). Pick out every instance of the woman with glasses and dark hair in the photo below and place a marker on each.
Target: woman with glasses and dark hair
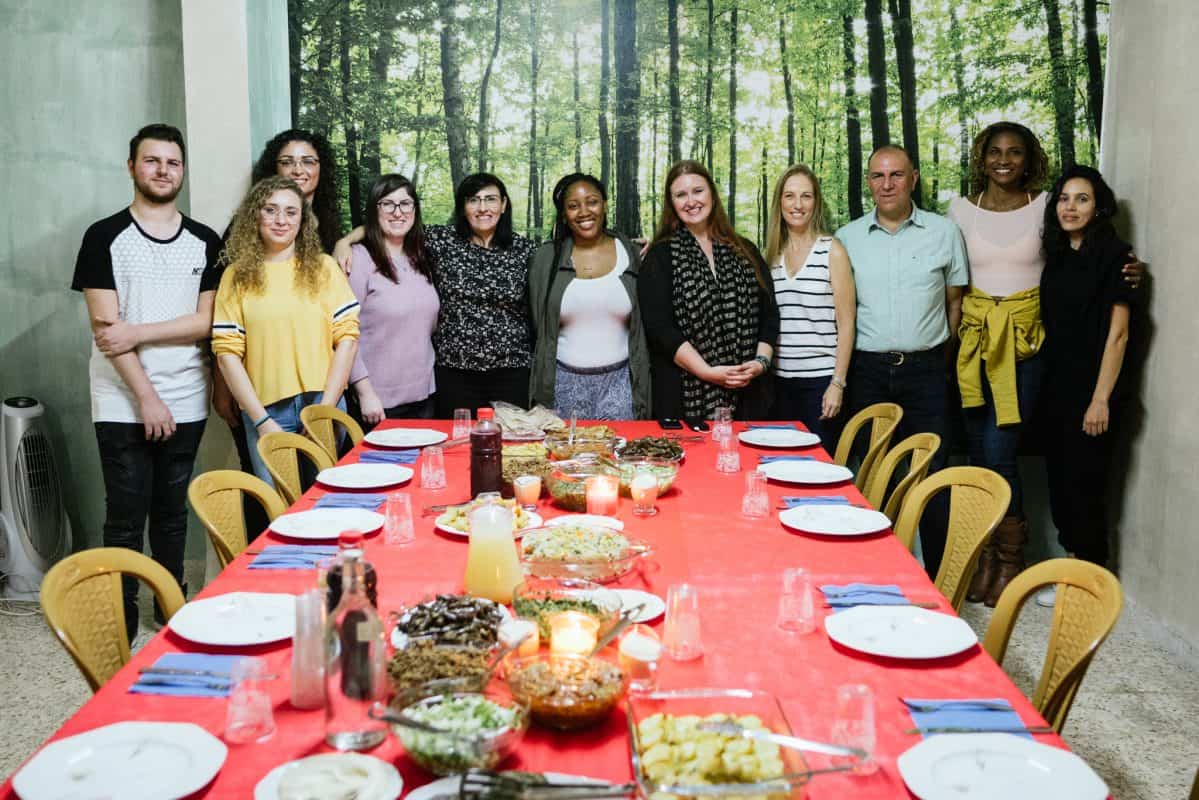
(392, 278)
(590, 355)
(307, 158)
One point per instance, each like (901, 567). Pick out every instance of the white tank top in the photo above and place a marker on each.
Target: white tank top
(593, 322)
(807, 344)
(1004, 247)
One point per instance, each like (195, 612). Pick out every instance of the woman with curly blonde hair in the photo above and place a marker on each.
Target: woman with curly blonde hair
(285, 328)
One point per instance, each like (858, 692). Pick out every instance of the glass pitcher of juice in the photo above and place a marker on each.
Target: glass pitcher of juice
(492, 566)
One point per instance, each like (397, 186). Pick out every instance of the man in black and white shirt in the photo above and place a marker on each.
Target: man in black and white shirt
(149, 277)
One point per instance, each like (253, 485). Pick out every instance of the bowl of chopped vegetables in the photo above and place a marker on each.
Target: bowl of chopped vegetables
(652, 447)
(663, 470)
(477, 730)
(540, 598)
(561, 446)
(566, 481)
(580, 550)
(567, 691)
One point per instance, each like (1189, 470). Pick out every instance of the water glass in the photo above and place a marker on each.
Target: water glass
(308, 651)
(797, 607)
(644, 490)
(461, 423)
(728, 459)
(853, 725)
(527, 489)
(682, 639)
(755, 502)
(638, 655)
(249, 716)
(398, 530)
(722, 423)
(432, 468)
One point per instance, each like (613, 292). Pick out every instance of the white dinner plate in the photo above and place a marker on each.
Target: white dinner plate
(332, 775)
(587, 519)
(130, 760)
(996, 766)
(778, 437)
(900, 631)
(654, 606)
(364, 476)
(835, 519)
(813, 472)
(449, 785)
(237, 619)
(326, 523)
(535, 521)
(405, 437)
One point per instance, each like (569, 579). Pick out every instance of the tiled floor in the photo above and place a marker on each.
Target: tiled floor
(1136, 718)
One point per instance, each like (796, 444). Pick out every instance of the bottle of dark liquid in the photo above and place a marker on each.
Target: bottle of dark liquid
(347, 541)
(355, 663)
(486, 454)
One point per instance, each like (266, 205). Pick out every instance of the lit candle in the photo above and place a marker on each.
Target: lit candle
(602, 493)
(644, 489)
(527, 489)
(639, 652)
(572, 633)
(524, 631)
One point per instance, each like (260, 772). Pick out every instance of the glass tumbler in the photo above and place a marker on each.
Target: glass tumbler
(249, 716)
(461, 423)
(797, 608)
(853, 725)
(432, 468)
(682, 638)
(728, 459)
(722, 423)
(397, 520)
(755, 502)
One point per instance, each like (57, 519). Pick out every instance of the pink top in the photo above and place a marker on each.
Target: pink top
(1004, 246)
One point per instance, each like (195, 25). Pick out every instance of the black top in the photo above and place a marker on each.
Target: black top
(1078, 290)
(656, 291)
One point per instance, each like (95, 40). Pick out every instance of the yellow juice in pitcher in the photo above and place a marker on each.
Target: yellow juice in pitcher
(492, 566)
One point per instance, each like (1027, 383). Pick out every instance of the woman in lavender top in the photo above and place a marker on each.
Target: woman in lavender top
(392, 279)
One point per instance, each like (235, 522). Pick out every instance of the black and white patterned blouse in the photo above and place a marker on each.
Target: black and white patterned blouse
(484, 320)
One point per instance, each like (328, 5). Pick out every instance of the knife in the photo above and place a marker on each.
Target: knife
(194, 673)
(1008, 729)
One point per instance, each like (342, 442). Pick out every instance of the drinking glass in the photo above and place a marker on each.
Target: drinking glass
(853, 725)
(527, 489)
(461, 423)
(308, 651)
(681, 636)
(638, 656)
(432, 468)
(755, 502)
(644, 490)
(797, 609)
(729, 457)
(249, 716)
(722, 423)
(398, 530)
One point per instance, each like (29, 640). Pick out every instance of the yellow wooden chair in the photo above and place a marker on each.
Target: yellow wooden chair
(281, 453)
(920, 447)
(1088, 604)
(321, 423)
(216, 497)
(884, 418)
(978, 500)
(81, 598)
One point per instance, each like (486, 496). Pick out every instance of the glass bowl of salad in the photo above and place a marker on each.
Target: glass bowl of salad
(540, 598)
(580, 550)
(664, 470)
(474, 730)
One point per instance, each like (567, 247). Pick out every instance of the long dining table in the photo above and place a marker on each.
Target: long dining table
(699, 537)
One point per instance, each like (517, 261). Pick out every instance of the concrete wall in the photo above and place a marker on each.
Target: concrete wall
(1151, 115)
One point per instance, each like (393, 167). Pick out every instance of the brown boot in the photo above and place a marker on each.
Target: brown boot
(1009, 539)
(984, 575)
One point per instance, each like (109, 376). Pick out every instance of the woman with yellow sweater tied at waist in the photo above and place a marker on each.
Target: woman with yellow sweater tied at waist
(285, 327)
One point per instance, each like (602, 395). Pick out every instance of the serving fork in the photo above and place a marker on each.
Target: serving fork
(478, 783)
(783, 740)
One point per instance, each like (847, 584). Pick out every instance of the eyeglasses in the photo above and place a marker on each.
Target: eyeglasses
(391, 207)
(307, 162)
(485, 200)
(280, 213)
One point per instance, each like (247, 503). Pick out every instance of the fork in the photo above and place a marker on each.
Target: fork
(488, 783)
(981, 705)
(429, 511)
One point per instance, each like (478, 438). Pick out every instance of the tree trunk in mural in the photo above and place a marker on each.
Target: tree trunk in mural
(295, 18)
(325, 88)
(905, 63)
(483, 87)
(451, 89)
(578, 105)
(605, 139)
(1090, 18)
(959, 83)
(676, 103)
(353, 175)
(533, 209)
(763, 199)
(381, 15)
(787, 91)
(628, 140)
(853, 125)
(880, 126)
(732, 204)
(708, 81)
(1063, 100)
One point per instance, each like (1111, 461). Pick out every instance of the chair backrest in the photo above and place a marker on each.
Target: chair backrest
(216, 497)
(1088, 604)
(279, 451)
(321, 423)
(81, 598)
(977, 502)
(920, 447)
(884, 418)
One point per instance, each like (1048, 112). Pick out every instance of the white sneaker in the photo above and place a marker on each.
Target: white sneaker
(1047, 598)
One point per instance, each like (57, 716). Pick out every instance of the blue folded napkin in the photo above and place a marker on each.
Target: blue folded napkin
(389, 456)
(215, 685)
(966, 713)
(863, 594)
(293, 556)
(772, 459)
(349, 500)
(817, 500)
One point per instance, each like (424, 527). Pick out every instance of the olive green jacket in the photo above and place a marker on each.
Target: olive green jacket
(547, 284)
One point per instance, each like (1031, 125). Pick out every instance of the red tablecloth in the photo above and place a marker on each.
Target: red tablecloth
(700, 537)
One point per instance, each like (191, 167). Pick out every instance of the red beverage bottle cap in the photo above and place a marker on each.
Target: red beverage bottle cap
(349, 539)
(485, 413)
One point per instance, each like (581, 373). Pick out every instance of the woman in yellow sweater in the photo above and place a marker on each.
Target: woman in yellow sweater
(285, 327)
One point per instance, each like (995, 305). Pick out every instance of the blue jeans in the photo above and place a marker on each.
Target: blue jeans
(998, 448)
(286, 413)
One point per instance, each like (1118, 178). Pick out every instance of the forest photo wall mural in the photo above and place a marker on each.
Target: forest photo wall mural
(534, 89)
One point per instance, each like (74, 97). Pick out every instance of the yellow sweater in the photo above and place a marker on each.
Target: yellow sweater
(997, 333)
(284, 336)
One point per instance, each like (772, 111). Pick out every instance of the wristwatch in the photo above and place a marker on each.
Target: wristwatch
(840, 384)
(765, 362)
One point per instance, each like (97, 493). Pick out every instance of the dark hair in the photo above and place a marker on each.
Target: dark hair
(470, 185)
(1036, 163)
(324, 199)
(159, 131)
(1099, 230)
(561, 226)
(375, 241)
(719, 227)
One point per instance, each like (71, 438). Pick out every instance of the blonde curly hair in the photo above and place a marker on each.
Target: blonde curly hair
(246, 255)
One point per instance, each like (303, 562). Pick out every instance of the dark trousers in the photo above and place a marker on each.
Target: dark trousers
(918, 385)
(803, 399)
(475, 389)
(998, 448)
(145, 479)
(419, 409)
(252, 511)
(1078, 467)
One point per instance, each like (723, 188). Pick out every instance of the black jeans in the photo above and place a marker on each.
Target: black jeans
(252, 511)
(147, 479)
(918, 385)
(475, 389)
(803, 399)
(1077, 467)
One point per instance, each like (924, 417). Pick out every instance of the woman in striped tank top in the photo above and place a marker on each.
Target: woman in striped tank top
(814, 289)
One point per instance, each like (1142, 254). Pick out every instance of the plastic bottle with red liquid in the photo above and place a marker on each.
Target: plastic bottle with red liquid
(486, 454)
